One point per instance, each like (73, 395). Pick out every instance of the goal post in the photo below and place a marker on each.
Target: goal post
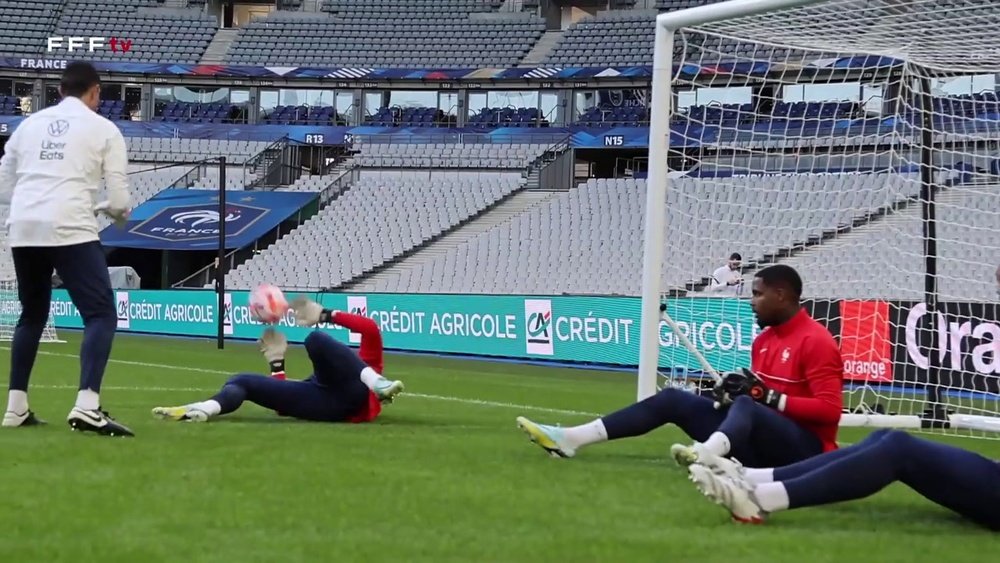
(858, 142)
(662, 104)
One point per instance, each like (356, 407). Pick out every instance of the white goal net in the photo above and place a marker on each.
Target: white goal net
(10, 305)
(859, 142)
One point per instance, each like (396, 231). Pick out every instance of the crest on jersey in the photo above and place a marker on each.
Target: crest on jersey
(785, 354)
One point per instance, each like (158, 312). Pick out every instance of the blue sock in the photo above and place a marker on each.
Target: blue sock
(24, 349)
(98, 336)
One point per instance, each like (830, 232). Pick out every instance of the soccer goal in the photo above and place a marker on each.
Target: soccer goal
(859, 142)
(10, 305)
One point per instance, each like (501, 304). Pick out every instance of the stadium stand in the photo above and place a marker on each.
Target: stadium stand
(308, 183)
(620, 38)
(408, 117)
(236, 179)
(359, 232)
(112, 109)
(25, 26)
(390, 34)
(10, 105)
(304, 115)
(508, 117)
(613, 38)
(169, 35)
(186, 112)
(570, 244)
(143, 184)
(162, 149)
(876, 261)
(448, 155)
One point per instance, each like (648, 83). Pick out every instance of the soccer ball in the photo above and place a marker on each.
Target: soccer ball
(268, 304)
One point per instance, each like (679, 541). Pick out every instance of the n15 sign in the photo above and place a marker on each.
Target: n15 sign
(614, 140)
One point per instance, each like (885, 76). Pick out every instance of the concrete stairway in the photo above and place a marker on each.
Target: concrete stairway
(541, 49)
(216, 51)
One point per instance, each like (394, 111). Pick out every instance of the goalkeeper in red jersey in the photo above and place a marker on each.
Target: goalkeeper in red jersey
(957, 479)
(344, 386)
(784, 409)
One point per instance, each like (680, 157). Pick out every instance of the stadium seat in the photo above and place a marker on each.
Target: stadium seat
(372, 34)
(382, 216)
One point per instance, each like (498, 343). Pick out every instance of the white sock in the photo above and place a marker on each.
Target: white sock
(210, 407)
(88, 400)
(771, 497)
(17, 402)
(370, 377)
(759, 476)
(717, 443)
(585, 434)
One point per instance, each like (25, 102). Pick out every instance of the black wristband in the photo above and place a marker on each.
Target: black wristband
(277, 366)
(326, 316)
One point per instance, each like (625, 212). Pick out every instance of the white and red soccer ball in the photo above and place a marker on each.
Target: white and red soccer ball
(268, 304)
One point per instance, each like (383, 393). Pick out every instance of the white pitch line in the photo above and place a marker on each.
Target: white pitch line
(447, 398)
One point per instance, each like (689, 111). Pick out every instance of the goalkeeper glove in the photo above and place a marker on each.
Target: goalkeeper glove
(746, 382)
(120, 216)
(309, 312)
(273, 345)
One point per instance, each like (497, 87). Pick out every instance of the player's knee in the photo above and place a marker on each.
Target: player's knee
(99, 310)
(239, 379)
(316, 338)
(743, 402)
(896, 440)
(878, 435)
(673, 400)
(34, 315)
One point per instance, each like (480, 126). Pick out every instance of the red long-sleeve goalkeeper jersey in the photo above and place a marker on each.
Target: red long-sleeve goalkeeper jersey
(801, 359)
(370, 353)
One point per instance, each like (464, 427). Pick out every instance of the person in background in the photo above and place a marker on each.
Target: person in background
(728, 279)
(998, 280)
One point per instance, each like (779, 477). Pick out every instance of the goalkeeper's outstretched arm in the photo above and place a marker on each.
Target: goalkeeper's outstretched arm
(310, 313)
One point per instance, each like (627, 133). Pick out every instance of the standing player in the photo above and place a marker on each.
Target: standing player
(343, 387)
(952, 477)
(49, 175)
(728, 279)
(786, 409)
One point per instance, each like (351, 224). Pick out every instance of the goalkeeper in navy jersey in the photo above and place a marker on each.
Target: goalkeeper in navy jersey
(784, 409)
(957, 479)
(344, 386)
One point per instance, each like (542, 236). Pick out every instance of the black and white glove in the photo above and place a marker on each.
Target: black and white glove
(745, 382)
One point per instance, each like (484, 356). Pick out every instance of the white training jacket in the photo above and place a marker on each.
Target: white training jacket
(51, 171)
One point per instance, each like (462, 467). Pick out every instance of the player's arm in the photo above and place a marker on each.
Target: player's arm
(8, 170)
(114, 165)
(311, 313)
(370, 350)
(716, 285)
(824, 372)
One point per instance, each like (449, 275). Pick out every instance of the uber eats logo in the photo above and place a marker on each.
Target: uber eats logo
(52, 149)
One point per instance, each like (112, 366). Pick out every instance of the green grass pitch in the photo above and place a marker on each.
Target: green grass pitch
(442, 476)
